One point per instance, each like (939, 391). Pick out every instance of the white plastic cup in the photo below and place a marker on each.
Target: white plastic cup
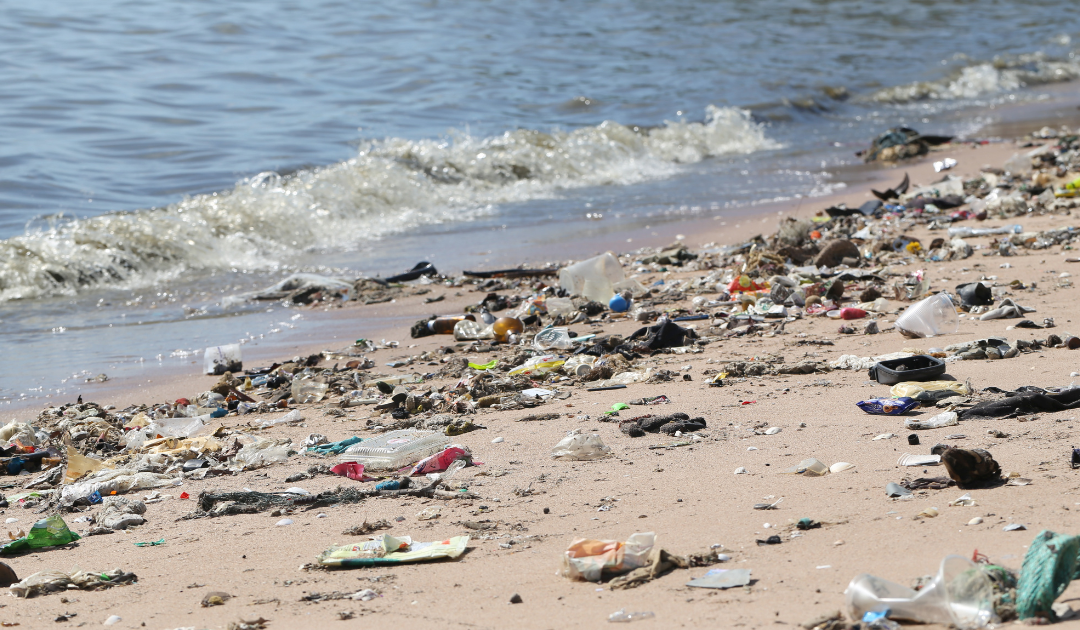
(933, 316)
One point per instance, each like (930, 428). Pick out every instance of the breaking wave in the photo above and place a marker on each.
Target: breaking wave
(390, 186)
(1003, 74)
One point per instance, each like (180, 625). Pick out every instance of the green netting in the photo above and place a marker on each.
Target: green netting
(1049, 565)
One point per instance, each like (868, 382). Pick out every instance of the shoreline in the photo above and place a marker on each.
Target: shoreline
(326, 326)
(142, 377)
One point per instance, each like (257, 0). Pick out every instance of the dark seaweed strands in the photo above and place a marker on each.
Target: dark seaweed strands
(250, 502)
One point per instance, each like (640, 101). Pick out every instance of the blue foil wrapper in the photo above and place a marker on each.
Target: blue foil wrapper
(888, 406)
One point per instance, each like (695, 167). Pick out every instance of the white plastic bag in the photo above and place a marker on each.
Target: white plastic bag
(582, 447)
(589, 560)
(261, 453)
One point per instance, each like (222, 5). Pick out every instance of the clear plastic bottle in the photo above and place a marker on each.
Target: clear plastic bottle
(468, 330)
(553, 338)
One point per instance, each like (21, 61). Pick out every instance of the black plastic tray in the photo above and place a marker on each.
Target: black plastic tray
(919, 368)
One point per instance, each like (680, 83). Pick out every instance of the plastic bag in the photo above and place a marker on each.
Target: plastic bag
(589, 559)
(581, 447)
(441, 461)
(119, 481)
(887, 406)
(352, 470)
(178, 427)
(911, 389)
(538, 365)
(48, 532)
(261, 453)
(945, 419)
(18, 431)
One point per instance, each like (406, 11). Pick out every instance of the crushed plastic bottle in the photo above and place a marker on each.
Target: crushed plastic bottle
(553, 338)
(962, 232)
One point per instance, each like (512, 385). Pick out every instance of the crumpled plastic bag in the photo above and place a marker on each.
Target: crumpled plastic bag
(261, 453)
(441, 461)
(18, 431)
(119, 481)
(352, 470)
(48, 532)
(581, 447)
(855, 362)
(178, 427)
(121, 513)
(911, 389)
(590, 559)
(52, 580)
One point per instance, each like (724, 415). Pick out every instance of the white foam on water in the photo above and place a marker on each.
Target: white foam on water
(392, 185)
(1003, 74)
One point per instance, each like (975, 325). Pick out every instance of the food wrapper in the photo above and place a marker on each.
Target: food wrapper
(744, 283)
(391, 550)
(888, 406)
(589, 559)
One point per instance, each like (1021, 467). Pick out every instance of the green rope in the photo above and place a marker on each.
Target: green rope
(1049, 565)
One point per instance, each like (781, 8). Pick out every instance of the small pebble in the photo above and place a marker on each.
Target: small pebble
(975, 521)
(515, 599)
(12, 520)
(320, 515)
(497, 440)
(283, 522)
(113, 619)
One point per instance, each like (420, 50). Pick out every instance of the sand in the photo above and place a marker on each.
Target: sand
(687, 495)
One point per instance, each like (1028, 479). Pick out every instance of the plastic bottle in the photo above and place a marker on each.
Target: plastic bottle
(445, 325)
(961, 232)
(468, 330)
(506, 328)
(549, 338)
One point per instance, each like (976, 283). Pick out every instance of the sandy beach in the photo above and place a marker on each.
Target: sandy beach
(529, 507)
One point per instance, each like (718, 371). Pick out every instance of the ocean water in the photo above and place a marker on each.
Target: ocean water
(159, 157)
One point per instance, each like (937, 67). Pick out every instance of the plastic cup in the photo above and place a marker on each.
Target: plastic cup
(961, 595)
(933, 316)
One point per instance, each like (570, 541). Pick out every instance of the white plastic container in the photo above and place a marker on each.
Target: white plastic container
(395, 449)
(933, 316)
(221, 359)
(594, 278)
